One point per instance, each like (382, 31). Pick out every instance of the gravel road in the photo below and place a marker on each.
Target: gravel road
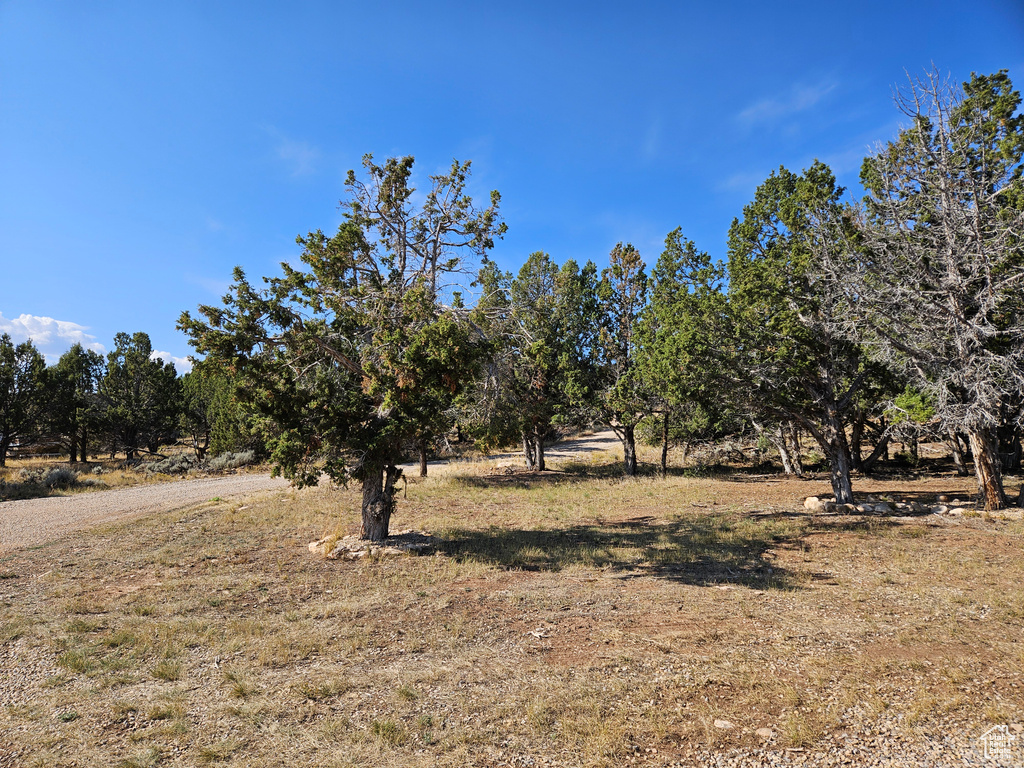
(30, 522)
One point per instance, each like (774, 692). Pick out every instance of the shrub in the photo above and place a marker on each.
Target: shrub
(30, 476)
(231, 460)
(60, 477)
(177, 464)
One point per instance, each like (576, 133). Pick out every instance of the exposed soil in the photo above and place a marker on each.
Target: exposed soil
(566, 618)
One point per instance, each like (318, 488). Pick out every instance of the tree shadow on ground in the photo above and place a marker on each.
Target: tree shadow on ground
(701, 551)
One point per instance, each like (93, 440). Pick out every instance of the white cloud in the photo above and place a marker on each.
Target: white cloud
(182, 364)
(52, 337)
(799, 98)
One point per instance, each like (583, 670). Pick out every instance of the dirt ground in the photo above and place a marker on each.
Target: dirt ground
(570, 618)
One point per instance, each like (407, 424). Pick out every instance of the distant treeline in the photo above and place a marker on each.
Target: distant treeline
(127, 402)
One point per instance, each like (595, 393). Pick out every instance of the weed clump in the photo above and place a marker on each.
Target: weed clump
(231, 460)
(178, 464)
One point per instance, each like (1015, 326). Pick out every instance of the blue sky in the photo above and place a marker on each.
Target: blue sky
(147, 148)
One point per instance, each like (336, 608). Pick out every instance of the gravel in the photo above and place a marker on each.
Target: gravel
(31, 522)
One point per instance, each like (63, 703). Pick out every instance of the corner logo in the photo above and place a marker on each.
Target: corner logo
(997, 742)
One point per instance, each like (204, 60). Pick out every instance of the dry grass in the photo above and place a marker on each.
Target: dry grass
(573, 616)
(111, 474)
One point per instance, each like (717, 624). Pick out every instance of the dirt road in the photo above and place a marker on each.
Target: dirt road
(31, 522)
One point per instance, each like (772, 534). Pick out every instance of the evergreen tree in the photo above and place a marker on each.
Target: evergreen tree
(624, 398)
(139, 397)
(25, 394)
(681, 334)
(75, 410)
(346, 358)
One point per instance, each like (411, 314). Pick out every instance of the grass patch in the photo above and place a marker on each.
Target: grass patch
(562, 614)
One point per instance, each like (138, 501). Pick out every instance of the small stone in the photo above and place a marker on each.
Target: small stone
(943, 499)
(940, 509)
(765, 733)
(725, 725)
(957, 512)
(814, 504)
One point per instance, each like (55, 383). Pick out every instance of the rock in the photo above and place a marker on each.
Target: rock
(943, 499)
(865, 508)
(956, 512)
(814, 504)
(765, 733)
(883, 508)
(353, 548)
(725, 725)
(940, 509)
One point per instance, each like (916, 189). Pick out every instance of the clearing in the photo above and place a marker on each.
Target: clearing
(570, 618)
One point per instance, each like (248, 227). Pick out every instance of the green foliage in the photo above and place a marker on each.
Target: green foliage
(541, 329)
(911, 406)
(788, 362)
(211, 415)
(139, 396)
(353, 354)
(25, 393)
(682, 335)
(75, 412)
(623, 398)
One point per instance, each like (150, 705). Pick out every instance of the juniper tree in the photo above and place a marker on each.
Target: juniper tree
(24, 393)
(788, 362)
(138, 396)
(680, 335)
(75, 411)
(934, 279)
(624, 398)
(346, 357)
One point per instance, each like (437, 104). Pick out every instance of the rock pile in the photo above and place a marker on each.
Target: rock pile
(901, 507)
(408, 542)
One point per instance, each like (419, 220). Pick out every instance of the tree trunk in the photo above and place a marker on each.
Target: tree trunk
(882, 448)
(959, 457)
(856, 441)
(839, 474)
(628, 439)
(664, 447)
(422, 446)
(986, 468)
(782, 445)
(538, 448)
(4, 444)
(83, 445)
(793, 436)
(378, 501)
(837, 449)
(73, 451)
(529, 456)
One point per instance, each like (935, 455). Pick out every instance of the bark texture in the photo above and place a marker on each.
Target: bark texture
(986, 469)
(378, 501)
